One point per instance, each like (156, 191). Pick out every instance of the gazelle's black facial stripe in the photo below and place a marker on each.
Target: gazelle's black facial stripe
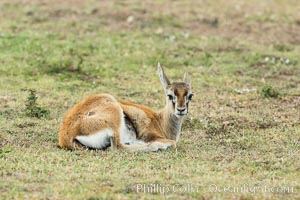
(172, 98)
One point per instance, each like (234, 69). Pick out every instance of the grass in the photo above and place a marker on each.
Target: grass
(67, 51)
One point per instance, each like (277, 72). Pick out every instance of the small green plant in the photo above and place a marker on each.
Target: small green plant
(32, 109)
(269, 92)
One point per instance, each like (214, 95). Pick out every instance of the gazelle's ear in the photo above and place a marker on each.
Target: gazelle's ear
(163, 78)
(187, 79)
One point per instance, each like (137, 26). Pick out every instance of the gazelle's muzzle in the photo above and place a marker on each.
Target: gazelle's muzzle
(181, 110)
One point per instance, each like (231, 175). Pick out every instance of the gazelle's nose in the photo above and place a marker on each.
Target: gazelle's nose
(181, 109)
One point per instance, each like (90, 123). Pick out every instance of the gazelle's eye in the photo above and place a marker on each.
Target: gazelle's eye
(190, 97)
(170, 97)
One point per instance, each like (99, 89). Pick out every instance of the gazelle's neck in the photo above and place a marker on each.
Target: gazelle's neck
(171, 124)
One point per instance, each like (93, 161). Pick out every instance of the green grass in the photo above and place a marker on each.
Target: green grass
(67, 51)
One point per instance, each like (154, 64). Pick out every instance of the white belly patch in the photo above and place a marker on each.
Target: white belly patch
(97, 140)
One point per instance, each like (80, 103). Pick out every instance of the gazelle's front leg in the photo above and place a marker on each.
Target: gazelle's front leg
(163, 144)
(155, 145)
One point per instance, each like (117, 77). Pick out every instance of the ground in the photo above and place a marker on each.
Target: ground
(243, 129)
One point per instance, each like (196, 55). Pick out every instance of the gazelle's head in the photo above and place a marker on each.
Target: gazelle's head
(178, 94)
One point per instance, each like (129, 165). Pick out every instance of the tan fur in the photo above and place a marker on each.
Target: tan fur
(102, 111)
(93, 114)
(146, 121)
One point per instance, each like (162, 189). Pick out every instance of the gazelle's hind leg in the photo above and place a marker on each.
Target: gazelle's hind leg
(111, 143)
(91, 123)
(94, 125)
(77, 145)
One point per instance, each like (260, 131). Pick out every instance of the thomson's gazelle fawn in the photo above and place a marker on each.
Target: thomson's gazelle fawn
(100, 121)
